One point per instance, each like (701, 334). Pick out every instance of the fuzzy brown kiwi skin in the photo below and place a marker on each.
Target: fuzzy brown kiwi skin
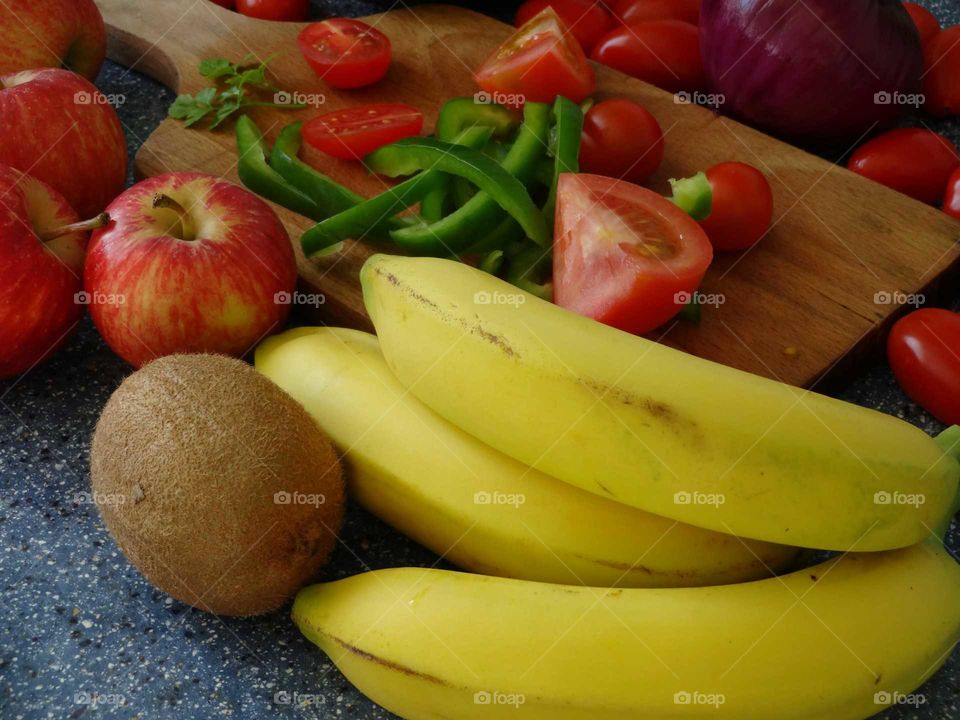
(186, 462)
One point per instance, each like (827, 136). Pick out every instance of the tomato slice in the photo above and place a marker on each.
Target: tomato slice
(538, 62)
(346, 53)
(353, 133)
(624, 255)
(587, 20)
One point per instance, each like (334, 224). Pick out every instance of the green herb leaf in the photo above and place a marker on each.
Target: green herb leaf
(214, 68)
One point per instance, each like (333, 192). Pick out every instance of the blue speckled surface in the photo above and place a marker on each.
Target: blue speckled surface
(77, 622)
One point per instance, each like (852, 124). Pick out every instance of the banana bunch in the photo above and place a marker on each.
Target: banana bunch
(475, 506)
(839, 641)
(649, 426)
(627, 473)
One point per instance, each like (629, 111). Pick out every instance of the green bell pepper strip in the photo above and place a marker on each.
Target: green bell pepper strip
(565, 143)
(458, 114)
(693, 195)
(459, 230)
(257, 175)
(358, 221)
(691, 311)
(492, 262)
(328, 195)
(524, 267)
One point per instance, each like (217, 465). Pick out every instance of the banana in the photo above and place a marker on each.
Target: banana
(838, 641)
(649, 426)
(480, 509)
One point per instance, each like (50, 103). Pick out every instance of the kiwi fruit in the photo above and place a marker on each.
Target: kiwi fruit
(216, 484)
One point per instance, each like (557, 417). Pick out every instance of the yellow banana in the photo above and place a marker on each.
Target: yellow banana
(839, 641)
(477, 507)
(649, 426)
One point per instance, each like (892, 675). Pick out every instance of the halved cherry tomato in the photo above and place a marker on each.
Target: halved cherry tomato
(926, 22)
(621, 139)
(346, 53)
(228, 4)
(538, 62)
(742, 207)
(665, 53)
(924, 352)
(631, 12)
(951, 200)
(286, 10)
(941, 79)
(353, 133)
(585, 19)
(914, 161)
(624, 255)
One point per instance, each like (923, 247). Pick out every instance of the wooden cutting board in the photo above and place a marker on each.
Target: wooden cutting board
(809, 301)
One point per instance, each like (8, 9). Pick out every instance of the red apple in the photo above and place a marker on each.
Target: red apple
(41, 268)
(202, 265)
(52, 33)
(59, 128)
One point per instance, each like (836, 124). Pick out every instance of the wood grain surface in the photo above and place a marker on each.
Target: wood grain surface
(808, 303)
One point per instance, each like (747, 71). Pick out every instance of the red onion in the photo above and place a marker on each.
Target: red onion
(817, 71)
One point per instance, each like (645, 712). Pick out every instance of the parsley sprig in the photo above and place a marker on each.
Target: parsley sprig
(237, 86)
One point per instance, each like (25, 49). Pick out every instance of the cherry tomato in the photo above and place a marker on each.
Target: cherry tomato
(742, 207)
(914, 161)
(621, 139)
(287, 10)
(941, 80)
(624, 255)
(631, 12)
(924, 352)
(951, 200)
(665, 53)
(538, 62)
(586, 20)
(926, 22)
(228, 4)
(352, 133)
(345, 53)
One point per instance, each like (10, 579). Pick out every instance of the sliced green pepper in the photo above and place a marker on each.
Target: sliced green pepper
(257, 175)
(459, 230)
(460, 113)
(358, 221)
(329, 195)
(565, 144)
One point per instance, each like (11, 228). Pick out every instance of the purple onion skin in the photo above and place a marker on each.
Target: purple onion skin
(810, 71)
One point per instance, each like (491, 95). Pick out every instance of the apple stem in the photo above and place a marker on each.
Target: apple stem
(101, 220)
(186, 229)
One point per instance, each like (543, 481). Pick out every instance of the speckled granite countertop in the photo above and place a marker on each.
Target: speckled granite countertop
(79, 624)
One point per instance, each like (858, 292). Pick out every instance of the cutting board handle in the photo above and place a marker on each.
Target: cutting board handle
(163, 40)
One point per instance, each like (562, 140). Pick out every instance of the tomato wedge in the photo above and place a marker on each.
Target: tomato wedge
(624, 255)
(587, 20)
(538, 62)
(346, 53)
(353, 133)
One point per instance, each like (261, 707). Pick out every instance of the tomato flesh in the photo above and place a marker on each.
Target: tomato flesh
(924, 353)
(346, 53)
(285, 10)
(586, 20)
(537, 63)
(621, 139)
(665, 53)
(742, 207)
(624, 255)
(914, 161)
(941, 79)
(631, 12)
(355, 132)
